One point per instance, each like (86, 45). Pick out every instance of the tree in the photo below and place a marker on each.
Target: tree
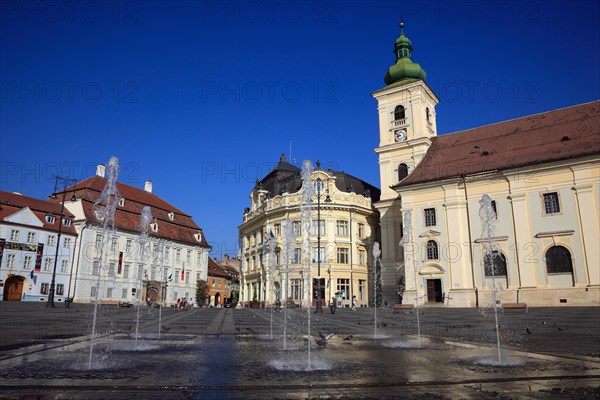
(201, 292)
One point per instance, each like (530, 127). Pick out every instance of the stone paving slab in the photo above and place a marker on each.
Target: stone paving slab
(239, 354)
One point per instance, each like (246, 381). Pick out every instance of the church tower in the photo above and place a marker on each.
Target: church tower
(406, 107)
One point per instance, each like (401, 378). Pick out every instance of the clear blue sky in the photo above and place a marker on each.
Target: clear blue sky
(203, 97)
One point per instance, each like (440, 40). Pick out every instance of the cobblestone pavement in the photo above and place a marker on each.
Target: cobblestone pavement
(548, 353)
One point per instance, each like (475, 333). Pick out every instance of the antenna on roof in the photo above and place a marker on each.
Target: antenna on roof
(291, 159)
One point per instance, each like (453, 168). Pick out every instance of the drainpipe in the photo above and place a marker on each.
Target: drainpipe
(463, 177)
(85, 225)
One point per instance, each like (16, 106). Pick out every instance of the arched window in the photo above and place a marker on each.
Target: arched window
(427, 114)
(399, 113)
(402, 171)
(495, 264)
(558, 260)
(432, 250)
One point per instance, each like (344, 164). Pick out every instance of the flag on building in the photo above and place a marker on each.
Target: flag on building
(182, 273)
(33, 277)
(271, 234)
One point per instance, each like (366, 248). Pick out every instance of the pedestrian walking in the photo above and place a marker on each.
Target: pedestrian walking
(353, 303)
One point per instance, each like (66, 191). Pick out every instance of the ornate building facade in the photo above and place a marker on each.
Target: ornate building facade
(542, 173)
(344, 227)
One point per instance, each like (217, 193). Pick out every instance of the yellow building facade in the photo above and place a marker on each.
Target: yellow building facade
(542, 173)
(344, 228)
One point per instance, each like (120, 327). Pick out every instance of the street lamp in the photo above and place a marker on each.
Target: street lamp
(64, 181)
(319, 183)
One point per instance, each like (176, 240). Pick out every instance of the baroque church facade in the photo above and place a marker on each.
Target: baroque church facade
(542, 174)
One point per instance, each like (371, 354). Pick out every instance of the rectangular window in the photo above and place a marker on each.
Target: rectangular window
(96, 268)
(494, 208)
(318, 225)
(177, 275)
(67, 243)
(318, 253)
(361, 289)
(551, 203)
(189, 257)
(128, 246)
(197, 276)
(133, 292)
(342, 255)
(10, 261)
(64, 266)
(113, 243)
(277, 230)
(126, 271)
(111, 269)
(297, 256)
(152, 273)
(109, 292)
(361, 231)
(51, 240)
(297, 228)
(44, 288)
(296, 289)
(198, 259)
(165, 274)
(430, 217)
(31, 237)
(343, 285)
(93, 292)
(98, 241)
(167, 253)
(362, 257)
(14, 235)
(60, 289)
(27, 262)
(187, 277)
(342, 228)
(124, 294)
(177, 254)
(47, 264)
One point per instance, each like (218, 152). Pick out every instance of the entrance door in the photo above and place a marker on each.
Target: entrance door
(13, 288)
(434, 290)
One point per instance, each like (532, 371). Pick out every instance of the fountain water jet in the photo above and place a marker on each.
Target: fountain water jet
(488, 232)
(409, 261)
(104, 209)
(146, 217)
(306, 218)
(288, 233)
(376, 260)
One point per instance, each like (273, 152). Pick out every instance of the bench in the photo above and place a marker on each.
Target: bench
(514, 306)
(402, 307)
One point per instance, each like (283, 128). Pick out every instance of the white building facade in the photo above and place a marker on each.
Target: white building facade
(122, 265)
(29, 238)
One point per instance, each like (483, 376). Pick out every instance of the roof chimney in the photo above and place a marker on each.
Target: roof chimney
(148, 186)
(100, 169)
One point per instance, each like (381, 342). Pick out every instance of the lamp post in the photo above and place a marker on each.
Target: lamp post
(65, 182)
(319, 182)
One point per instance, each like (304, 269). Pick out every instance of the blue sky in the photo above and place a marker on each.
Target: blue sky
(202, 97)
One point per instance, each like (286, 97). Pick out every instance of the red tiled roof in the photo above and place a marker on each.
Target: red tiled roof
(181, 228)
(10, 203)
(567, 133)
(216, 270)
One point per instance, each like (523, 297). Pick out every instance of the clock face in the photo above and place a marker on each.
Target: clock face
(400, 135)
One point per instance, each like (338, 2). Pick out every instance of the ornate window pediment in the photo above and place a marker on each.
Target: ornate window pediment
(431, 269)
(429, 234)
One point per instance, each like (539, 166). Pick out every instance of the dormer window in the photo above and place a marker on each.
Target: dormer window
(198, 236)
(66, 222)
(122, 202)
(399, 113)
(154, 227)
(171, 216)
(50, 219)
